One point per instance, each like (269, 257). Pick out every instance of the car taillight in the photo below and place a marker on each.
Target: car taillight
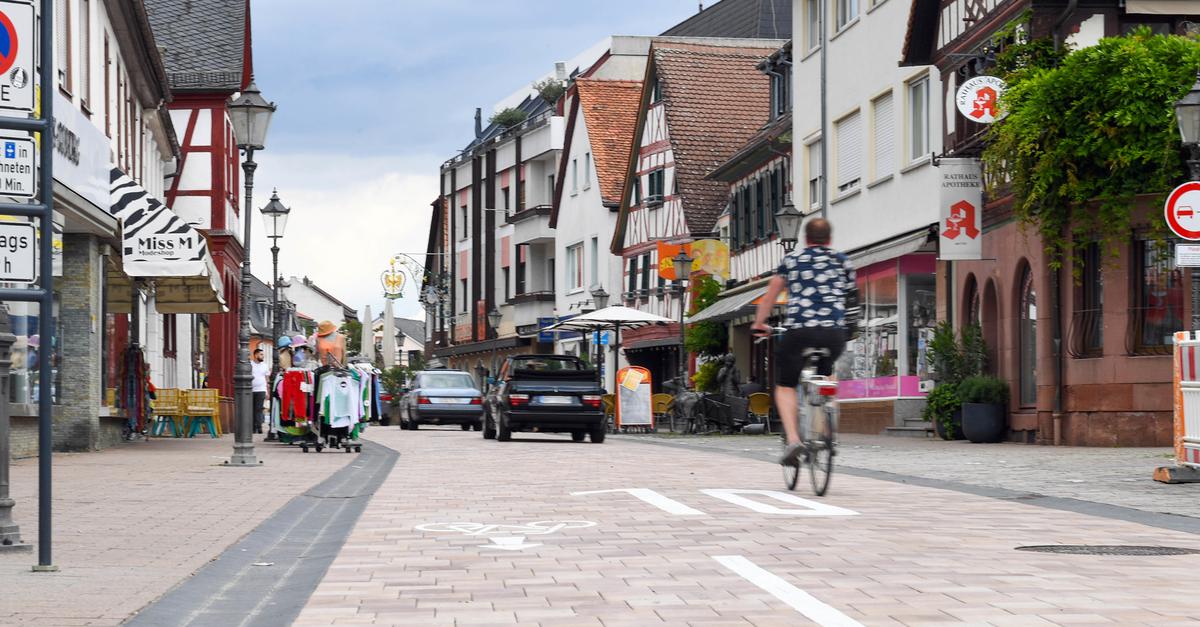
(827, 389)
(592, 400)
(477, 401)
(424, 400)
(518, 400)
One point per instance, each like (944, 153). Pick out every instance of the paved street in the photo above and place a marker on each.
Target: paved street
(467, 531)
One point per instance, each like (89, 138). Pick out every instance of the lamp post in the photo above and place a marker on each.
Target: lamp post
(1187, 114)
(599, 301)
(789, 219)
(494, 317)
(275, 217)
(251, 116)
(683, 272)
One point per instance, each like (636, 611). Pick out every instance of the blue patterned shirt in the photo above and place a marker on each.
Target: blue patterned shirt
(819, 279)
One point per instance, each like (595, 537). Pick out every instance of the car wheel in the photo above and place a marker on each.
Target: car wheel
(489, 430)
(578, 436)
(477, 425)
(503, 432)
(465, 427)
(597, 433)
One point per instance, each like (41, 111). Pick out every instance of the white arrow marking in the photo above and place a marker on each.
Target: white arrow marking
(508, 543)
(799, 600)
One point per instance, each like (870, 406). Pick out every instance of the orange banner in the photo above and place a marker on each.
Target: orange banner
(709, 256)
(666, 261)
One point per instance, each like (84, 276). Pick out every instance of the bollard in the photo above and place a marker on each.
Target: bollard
(10, 532)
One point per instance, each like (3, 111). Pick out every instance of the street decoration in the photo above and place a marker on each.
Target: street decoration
(393, 281)
(979, 99)
(710, 257)
(1182, 211)
(961, 197)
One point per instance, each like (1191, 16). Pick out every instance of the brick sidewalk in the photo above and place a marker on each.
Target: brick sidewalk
(913, 555)
(133, 521)
(1114, 476)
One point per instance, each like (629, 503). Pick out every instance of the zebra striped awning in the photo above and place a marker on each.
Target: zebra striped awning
(156, 244)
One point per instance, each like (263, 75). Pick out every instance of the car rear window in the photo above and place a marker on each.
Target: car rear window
(444, 380)
(548, 365)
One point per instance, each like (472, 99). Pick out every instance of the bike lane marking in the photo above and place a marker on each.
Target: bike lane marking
(799, 600)
(810, 508)
(514, 535)
(665, 503)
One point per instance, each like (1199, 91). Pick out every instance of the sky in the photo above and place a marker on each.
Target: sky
(373, 95)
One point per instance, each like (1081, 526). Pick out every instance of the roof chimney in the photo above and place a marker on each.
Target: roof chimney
(478, 122)
(702, 7)
(560, 71)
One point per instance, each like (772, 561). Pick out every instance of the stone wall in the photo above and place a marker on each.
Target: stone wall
(78, 427)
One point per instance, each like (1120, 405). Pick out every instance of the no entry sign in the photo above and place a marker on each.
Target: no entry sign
(1183, 211)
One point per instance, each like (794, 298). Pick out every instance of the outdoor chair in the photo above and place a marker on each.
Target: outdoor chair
(202, 408)
(168, 411)
(609, 403)
(760, 408)
(660, 406)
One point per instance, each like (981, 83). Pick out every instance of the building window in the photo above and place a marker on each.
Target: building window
(549, 188)
(745, 219)
(507, 201)
(1159, 289)
(464, 218)
(62, 37)
(918, 118)
(587, 170)
(814, 175)
(637, 191)
(849, 146)
(780, 93)
(654, 180)
(1028, 338)
(1086, 337)
(575, 267)
(812, 13)
(645, 272)
(463, 289)
(574, 177)
(760, 213)
(507, 285)
(520, 287)
(884, 135)
(29, 354)
(847, 12)
(108, 113)
(595, 261)
(633, 274)
(170, 340)
(655, 90)
(550, 278)
(85, 42)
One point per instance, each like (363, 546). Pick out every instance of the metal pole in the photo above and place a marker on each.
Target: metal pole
(682, 336)
(1194, 169)
(46, 311)
(824, 113)
(10, 532)
(276, 325)
(243, 442)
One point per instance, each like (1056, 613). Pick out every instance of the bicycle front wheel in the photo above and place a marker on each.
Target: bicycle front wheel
(791, 473)
(820, 459)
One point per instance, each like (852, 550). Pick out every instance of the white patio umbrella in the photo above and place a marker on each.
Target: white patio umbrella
(368, 335)
(389, 335)
(615, 318)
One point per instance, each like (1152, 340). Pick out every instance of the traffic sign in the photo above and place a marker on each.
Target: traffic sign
(17, 24)
(17, 167)
(18, 252)
(1182, 211)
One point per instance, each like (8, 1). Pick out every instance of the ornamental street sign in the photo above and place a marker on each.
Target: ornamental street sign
(961, 196)
(18, 252)
(978, 99)
(17, 167)
(17, 26)
(1182, 211)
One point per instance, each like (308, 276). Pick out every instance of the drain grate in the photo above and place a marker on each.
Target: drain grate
(1100, 549)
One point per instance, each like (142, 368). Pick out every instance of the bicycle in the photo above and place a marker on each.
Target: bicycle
(817, 431)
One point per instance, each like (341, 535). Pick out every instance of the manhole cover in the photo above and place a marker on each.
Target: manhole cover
(1096, 549)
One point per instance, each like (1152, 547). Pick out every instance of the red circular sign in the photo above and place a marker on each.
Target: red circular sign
(1183, 211)
(9, 43)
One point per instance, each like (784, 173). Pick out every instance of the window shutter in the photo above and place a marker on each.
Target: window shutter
(849, 145)
(885, 137)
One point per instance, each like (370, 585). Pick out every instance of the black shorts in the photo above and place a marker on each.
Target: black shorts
(790, 350)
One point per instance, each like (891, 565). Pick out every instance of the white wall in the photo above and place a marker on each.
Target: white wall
(312, 303)
(867, 49)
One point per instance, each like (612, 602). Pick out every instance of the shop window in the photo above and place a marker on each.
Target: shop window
(1159, 290)
(920, 313)
(1028, 339)
(1086, 335)
(30, 354)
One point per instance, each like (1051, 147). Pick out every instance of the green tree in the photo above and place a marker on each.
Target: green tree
(509, 117)
(705, 338)
(550, 89)
(352, 329)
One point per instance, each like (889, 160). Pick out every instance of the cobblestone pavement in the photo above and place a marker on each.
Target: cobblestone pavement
(428, 549)
(1115, 476)
(132, 521)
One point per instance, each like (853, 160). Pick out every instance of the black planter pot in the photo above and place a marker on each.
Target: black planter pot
(955, 432)
(984, 422)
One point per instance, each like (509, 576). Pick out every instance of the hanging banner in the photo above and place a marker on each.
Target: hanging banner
(666, 258)
(979, 99)
(712, 258)
(960, 232)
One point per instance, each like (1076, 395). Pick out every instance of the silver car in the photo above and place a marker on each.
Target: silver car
(442, 397)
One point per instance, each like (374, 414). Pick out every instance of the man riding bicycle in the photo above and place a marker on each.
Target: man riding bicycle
(822, 312)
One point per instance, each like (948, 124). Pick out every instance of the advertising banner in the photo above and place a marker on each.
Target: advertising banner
(960, 232)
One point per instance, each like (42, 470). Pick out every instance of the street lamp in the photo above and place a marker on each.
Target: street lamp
(599, 301)
(275, 217)
(789, 219)
(683, 272)
(494, 317)
(251, 117)
(1187, 114)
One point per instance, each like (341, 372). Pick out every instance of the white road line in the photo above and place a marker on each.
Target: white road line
(811, 508)
(665, 503)
(798, 599)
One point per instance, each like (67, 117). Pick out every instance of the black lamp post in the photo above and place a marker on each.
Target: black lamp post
(599, 301)
(1187, 114)
(251, 117)
(789, 220)
(683, 272)
(275, 217)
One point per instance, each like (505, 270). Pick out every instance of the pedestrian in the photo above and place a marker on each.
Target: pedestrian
(260, 370)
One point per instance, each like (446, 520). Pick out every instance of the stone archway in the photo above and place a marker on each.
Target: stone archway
(989, 321)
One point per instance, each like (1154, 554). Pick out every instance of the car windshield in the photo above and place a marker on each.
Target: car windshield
(548, 365)
(443, 380)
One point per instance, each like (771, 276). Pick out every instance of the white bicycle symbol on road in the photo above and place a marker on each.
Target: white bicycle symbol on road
(537, 528)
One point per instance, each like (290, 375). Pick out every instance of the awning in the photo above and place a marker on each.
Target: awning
(156, 244)
(891, 249)
(729, 307)
(1162, 7)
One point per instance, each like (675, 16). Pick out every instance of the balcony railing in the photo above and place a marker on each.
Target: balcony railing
(546, 296)
(529, 213)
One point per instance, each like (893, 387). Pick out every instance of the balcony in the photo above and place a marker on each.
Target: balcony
(530, 306)
(532, 226)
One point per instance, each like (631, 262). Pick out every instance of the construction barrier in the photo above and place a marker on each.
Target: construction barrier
(1186, 391)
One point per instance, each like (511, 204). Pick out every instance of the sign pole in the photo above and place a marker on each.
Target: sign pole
(46, 311)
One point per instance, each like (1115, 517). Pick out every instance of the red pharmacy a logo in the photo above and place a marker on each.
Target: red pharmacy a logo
(984, 104)
(961, 221)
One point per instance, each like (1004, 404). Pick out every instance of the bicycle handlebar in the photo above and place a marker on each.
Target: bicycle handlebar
(774, 330)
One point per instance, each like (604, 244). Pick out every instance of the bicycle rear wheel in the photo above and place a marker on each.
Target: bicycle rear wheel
(820, 458)
(791, 472)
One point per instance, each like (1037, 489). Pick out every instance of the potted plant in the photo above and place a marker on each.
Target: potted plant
(944, 409)
(984, 409)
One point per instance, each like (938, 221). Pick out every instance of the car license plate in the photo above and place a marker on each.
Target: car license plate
(556, 400)
(451, 401)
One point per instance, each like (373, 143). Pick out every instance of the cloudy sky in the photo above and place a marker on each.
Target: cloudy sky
(374, 95)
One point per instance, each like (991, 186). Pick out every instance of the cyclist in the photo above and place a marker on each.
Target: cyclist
(822, 312)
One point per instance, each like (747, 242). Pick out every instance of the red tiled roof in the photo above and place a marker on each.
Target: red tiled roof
(716, 100)
(610, 109)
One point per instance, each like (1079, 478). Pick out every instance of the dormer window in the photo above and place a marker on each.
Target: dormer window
(781, 100)
(655, 90)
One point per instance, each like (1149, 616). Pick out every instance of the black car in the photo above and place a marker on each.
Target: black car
(442, 397)
(545, 393)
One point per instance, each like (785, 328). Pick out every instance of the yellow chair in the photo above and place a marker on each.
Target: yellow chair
(203, 409)
(168, 410)
(660, 406)
(760, 407)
